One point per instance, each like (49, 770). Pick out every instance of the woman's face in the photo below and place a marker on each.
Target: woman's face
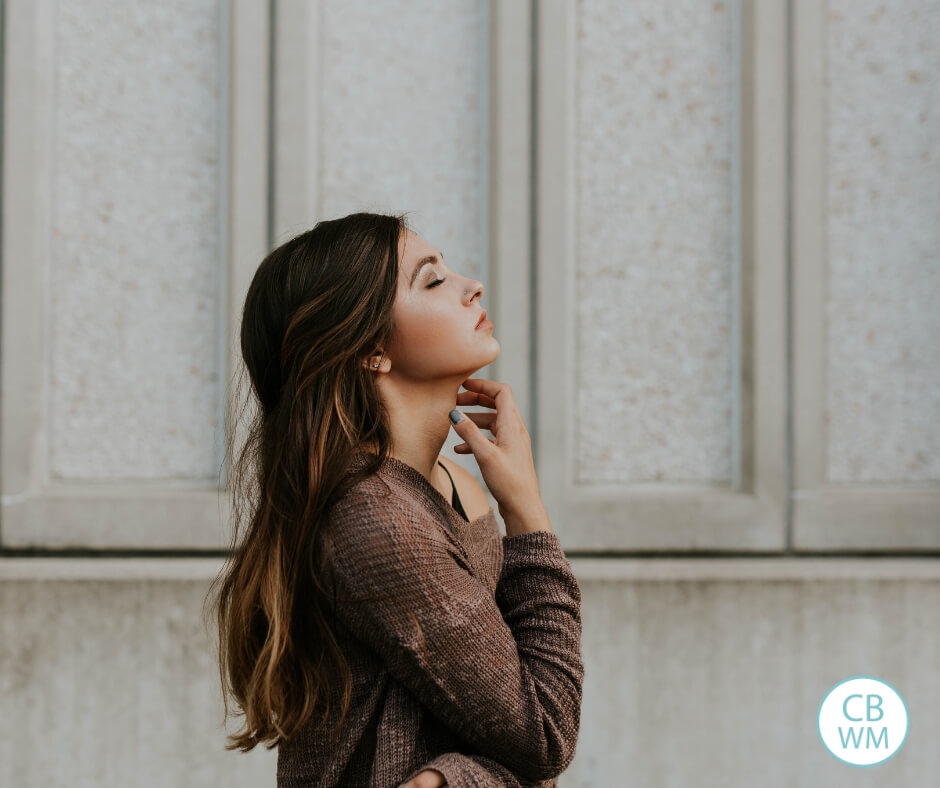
(436, 311)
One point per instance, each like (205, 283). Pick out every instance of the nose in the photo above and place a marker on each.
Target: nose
(476, 289)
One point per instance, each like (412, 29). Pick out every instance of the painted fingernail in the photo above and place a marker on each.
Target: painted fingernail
(455, 415)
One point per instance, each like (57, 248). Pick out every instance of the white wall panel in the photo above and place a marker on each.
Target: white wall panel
(866, 275)
(654, 125)
(135, 202)
(135, 252)
(883, 308)
(403, 118)
(661, 274)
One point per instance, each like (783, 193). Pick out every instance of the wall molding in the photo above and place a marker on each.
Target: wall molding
(750, 514)
(36, 511)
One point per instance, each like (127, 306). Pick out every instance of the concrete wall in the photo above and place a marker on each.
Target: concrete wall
(697, 673)
(709, 238)
(710, 673)
(107, 682)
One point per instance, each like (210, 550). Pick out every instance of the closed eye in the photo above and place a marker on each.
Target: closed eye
(435, 284)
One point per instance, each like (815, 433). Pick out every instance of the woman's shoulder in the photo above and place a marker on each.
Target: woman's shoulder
(381, 501)
(378, 521)
(374, 494)
(469, 490)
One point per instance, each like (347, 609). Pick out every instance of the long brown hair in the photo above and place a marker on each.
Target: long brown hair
(316, 307)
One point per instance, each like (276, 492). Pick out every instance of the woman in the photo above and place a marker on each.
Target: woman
(370, 627)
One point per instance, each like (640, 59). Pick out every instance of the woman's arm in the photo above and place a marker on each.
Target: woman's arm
(506, 673)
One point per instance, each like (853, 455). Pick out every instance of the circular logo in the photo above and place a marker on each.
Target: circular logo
(862, 721)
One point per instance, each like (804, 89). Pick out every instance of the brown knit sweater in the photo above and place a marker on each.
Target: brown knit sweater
(492, 695)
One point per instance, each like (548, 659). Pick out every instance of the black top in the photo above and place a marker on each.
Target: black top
(455, 499)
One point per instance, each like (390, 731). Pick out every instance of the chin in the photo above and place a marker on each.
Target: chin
(494, 355)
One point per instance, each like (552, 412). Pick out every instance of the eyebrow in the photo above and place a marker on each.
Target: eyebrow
(431, 258)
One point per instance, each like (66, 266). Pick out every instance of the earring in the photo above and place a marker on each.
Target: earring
(376, 365)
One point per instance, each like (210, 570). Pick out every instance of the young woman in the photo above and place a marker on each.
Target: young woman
(373, 623)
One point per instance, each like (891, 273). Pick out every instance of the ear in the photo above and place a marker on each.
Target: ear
(375, 362)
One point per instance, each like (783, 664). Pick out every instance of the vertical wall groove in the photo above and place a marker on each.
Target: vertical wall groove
(3, 124)
(272, 76)
(788, 262)
(224, 280)
(737, 419)
(533, 227)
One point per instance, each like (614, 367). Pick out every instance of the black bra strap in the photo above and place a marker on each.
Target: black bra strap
(454, 486)
(455, 499)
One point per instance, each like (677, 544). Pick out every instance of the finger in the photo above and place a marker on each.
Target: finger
(501, 393)
(429, 778)
(475, 398)
(490, 388)
(463, 448)
(484, 421)
(467, 429)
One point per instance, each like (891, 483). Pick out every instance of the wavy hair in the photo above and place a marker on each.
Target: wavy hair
(316, 307)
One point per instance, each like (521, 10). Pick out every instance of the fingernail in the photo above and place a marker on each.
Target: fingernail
(455, 415)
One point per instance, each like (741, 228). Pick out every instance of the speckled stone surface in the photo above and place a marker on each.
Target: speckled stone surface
(134, 270)
(653, 242)
(883, 305)
(403, 118)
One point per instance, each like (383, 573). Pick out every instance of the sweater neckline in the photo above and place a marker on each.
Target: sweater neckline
(411, 476)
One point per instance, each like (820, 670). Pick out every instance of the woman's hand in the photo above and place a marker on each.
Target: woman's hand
(506, 462)
(429, 778)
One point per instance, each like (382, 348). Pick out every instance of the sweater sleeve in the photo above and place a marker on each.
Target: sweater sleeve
(506, 673)
(474, 771)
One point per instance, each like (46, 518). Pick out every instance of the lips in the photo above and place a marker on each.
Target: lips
(482, 318)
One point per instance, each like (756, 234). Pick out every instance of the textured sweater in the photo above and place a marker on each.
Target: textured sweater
(489, 692)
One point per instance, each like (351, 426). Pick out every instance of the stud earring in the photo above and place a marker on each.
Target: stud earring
(376, 365)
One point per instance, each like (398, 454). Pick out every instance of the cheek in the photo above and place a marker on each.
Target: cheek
(429, 342)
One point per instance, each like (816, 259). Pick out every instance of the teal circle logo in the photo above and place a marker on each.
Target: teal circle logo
(862, 721)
